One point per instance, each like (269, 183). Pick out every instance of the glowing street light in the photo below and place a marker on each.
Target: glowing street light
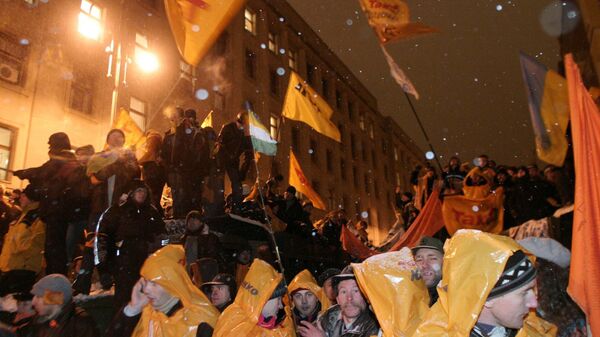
(147, 61)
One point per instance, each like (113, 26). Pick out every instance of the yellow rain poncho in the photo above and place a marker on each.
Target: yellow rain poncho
(24, 242)
(473, 263)
(305, 280)
(399, 300)
(478, 192)
(165, 267)
(241, 317)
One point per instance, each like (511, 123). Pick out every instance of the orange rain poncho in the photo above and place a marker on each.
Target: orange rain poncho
(473, 263)
(240, 319)
(399, 301)
(24, 243)
(305, 280)
(166, 269)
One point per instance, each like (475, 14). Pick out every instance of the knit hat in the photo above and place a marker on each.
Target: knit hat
(54, 289)
(326, 275)
(279, 291)
(518, 271)
(429, 242)
(221, 279)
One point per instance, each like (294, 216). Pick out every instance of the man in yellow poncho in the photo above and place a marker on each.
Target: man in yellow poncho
(309, 300)
(21, 258)
(258, 309)
(487, 290)
(165, 302)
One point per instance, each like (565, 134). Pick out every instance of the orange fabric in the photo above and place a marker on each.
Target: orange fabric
(353, 246)
(485, 214)
(584, 278)
(305, 280)
(477, 192)
(302, 184)
(427, 223)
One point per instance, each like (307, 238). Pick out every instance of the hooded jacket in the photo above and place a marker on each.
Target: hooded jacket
(24, 242)
(240, 319)
(473, 263)
(305, 280)
(166, 268)
(399, 299)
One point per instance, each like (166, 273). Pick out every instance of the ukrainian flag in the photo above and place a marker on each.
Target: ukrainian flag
(261, 139)
(549, 109)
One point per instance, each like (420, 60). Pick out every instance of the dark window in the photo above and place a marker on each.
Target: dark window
(343, 169)
(374, 158)
(364, 152)
(339, 100)
(81, 93)
(329, 160)
(310, 74)
(355, 176)
(366, 183)
(220, 47)
(295, 139)
(350, 110)
(274, 82)
(250, 64)
(325, 88)
(313, 151)
(353, 149)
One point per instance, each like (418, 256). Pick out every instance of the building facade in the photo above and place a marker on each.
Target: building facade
(69, 65)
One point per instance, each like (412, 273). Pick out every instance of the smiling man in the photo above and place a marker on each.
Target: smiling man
(429, 256)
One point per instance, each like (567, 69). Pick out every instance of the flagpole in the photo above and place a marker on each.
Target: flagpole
(412, 107)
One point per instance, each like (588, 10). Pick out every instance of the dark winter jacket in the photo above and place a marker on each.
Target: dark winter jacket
(125, 169)
(71, 322)
(230, 145)
(364, 326)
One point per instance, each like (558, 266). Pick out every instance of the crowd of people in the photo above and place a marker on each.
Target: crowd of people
(96, 222)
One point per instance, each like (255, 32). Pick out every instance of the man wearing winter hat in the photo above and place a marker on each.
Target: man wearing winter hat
(486, 290)
(57, 315)
(324, 281)
(221, 290)
(429, 256)
(350, 317)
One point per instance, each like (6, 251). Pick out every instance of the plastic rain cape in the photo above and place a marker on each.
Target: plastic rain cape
(305, 280)
(473, 262)
(399, 300)
(166, 269)
(241, 317)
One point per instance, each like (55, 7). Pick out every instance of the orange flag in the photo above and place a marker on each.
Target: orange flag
(427, 223)
(196, 24)
(584, 278)
(353, 246)
(391, 20)
(485, 214)
(302, 185)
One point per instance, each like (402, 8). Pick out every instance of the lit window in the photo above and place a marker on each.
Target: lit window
(293, 59)
(137, 112)
(250, 21)
(89, 23)
(144, 59)
(274, 126)
(397, 179)
(395, 153)
(361, 121)
(273, 42)
(6, 149)
(371, 131)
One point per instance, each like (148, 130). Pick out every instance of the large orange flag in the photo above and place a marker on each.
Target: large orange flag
(302, 185)
(353, 246)
(428, 222)
(196, 24)
(584, 278)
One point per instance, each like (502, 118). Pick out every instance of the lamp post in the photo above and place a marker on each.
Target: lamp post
(90, 26)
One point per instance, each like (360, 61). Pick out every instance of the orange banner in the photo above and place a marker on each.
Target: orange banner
(427, 223)
(301, 183)
(486, 214)
(390, 19)
(353, 246)
(584, 278)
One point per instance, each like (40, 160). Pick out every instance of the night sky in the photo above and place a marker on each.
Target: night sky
(472, 96)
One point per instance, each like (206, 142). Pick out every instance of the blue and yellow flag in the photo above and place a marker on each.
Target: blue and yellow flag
(549, 109)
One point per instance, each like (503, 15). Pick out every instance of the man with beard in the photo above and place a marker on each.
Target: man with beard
(127, 234)
(429, 256)
(350, 317)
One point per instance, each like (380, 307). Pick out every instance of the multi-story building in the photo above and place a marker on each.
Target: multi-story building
(69, 65)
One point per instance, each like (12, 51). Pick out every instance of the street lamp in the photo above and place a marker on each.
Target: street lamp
(147, 61)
